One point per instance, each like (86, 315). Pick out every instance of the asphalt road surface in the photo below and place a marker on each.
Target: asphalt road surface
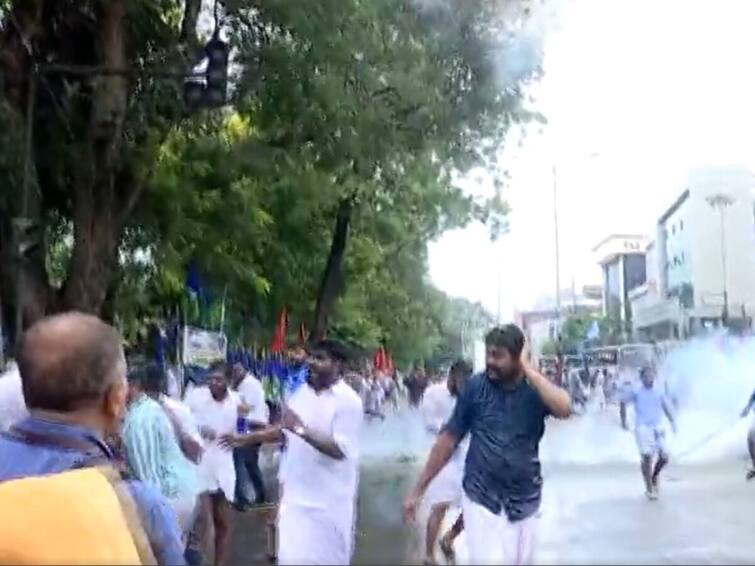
(594, 509)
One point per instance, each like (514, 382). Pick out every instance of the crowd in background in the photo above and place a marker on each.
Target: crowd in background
(186, 441)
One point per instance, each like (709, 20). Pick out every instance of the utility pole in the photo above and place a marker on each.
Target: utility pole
(22, 223)
(555, 233)
(498, 312)
(573, 295)
(721, 202)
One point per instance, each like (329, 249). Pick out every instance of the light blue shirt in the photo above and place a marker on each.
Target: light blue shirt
(20, 460)
(648, 405)
(152, 450)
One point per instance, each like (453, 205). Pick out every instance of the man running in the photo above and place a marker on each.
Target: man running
(750, 436)
(445, 490)
(503, 410)
(649, 407)
(216, 409)
(375, 395)
(416, 384)
(321, 424)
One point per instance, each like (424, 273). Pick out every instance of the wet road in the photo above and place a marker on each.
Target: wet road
(594, 509)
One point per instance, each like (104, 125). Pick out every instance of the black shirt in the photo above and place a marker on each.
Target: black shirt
(416, 388)
(502, 469)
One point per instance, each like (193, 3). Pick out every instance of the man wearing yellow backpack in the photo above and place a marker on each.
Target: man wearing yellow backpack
(62, 500)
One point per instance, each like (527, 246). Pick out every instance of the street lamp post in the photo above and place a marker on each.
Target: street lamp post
(721, 202)
(505, 229)
(555, 234)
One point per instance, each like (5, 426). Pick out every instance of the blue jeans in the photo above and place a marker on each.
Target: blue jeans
(246, 462)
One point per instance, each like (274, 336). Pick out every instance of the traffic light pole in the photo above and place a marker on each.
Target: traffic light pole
(31, 97)
(214, 95)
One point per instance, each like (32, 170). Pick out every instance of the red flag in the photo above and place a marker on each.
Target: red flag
(381, 359)
(279, 338)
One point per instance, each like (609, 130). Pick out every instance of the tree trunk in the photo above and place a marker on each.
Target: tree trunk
(189, 21)
(96, 215)
(332, 277)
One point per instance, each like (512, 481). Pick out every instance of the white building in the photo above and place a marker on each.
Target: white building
(543, 323)
(704, 257)
(622, 260)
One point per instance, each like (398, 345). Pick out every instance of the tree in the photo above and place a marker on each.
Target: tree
(349, 125)
(81, 74)
(549, 348)
(393, 94)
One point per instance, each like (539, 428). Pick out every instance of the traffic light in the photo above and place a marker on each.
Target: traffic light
(194, 93)
(217, 71)
(211, 89)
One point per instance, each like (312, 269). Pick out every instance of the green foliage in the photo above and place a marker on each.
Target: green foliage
(611, 330)
(549, 348)
(575, 327)
(385, 103)
(573, 331)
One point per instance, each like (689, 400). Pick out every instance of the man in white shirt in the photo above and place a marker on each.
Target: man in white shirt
(216, 410)
(321, 423)
(12, 403)
(445, 490)
(246, 459)
(373, 407)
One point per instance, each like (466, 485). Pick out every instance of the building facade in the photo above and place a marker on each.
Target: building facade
(543, 323)
(622, 261)
(704, 257)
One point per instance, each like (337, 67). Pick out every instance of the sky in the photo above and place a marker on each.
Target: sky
(636, 92)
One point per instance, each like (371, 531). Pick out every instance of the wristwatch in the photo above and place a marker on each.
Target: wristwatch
(299, 430)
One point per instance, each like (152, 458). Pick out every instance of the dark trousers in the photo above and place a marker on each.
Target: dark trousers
(246, 462)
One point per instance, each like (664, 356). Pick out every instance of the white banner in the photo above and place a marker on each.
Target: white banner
(202, 347)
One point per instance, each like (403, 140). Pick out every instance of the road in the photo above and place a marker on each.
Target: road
(594, 509)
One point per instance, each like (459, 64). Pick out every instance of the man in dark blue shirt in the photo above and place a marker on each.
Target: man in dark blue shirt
(504, 411)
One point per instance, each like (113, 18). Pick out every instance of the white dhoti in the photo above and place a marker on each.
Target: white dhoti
(215, 471)
(493, 539)
(312, 535)
(185, 507)
(446, 487)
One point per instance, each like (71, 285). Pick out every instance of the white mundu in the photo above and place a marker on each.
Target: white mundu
(316, 514)
(437, 406)
(215, 471)
(493, 539)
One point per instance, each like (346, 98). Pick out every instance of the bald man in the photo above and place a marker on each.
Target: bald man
(73, 374)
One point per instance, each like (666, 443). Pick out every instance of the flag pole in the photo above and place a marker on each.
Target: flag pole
(222, 309)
